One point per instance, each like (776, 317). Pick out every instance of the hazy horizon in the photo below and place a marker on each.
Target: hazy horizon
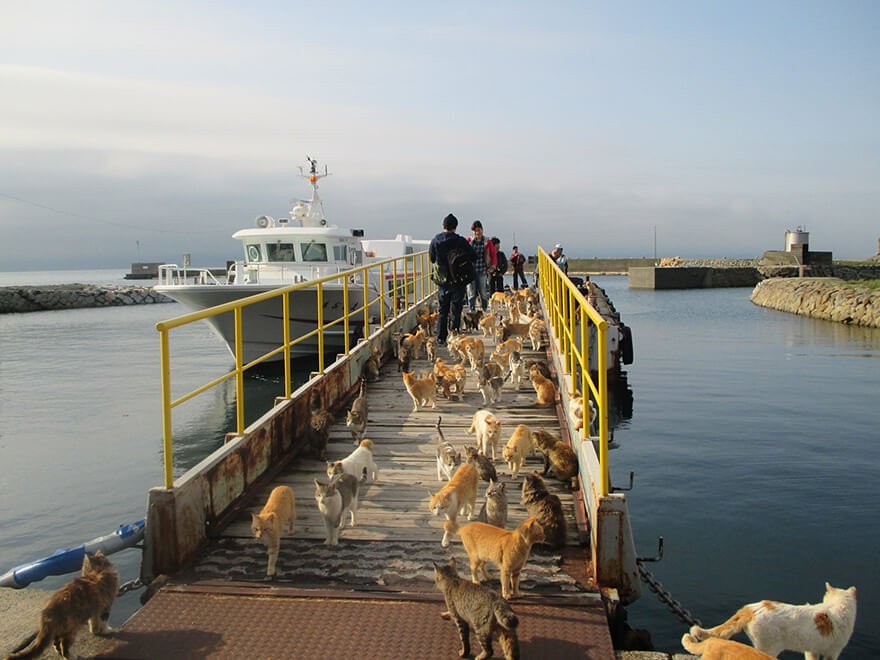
(169, 126)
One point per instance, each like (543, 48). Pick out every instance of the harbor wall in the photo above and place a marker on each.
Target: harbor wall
(718, 273)
(822, 298)
(19, 299)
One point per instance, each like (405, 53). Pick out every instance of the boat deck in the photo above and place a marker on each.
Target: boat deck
(374, 593)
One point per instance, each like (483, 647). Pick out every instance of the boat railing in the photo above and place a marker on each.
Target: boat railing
(172, 274)
(409, 285)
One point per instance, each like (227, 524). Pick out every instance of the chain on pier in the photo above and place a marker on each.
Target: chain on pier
(665, 597)
(131, 585)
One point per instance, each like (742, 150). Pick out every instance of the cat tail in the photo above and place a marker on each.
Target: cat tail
(363, 387)
(504, 615)
(509, 644)
(692, 644)
(729, 628)
(33, 646)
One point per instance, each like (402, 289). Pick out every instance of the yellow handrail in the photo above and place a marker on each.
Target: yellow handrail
(566, 310)
(413, 271)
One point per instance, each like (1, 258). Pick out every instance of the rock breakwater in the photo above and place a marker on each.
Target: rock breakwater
(822, 298)
(18, 299)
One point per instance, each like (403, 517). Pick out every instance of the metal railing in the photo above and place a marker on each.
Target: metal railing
(397, 283)
(571, 317)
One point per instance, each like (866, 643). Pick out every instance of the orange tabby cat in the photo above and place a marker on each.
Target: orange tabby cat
(507, 550)
(544, 387)
(268, 524)
(422, 390)
(459, 495)
(716, 648)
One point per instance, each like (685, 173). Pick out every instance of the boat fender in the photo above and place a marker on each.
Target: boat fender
(626, 344)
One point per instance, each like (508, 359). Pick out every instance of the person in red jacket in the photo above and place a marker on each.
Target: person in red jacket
(517, 262)
(485, 251)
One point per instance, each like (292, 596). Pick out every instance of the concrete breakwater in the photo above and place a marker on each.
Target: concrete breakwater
(822, 298)
(17, 299)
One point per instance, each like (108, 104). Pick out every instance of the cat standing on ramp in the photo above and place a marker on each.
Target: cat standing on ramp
(356, 418)
(269, 524)
(333, 500)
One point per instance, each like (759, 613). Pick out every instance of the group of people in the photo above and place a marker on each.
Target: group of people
(489, 265)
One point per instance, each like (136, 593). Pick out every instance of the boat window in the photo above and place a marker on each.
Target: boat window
(253, 253)
(280, 252)
(340, 252)
(314, 251)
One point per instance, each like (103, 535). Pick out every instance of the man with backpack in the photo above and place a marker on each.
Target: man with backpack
(452, 269)
(496, 276)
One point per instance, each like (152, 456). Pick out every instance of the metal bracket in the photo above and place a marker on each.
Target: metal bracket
(659, 553)
(615, 489)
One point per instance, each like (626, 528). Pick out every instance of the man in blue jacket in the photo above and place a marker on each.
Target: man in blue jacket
(451, 296)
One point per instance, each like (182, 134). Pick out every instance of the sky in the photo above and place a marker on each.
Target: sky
(134, 131)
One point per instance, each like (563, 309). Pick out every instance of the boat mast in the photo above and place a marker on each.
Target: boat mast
(314, 216)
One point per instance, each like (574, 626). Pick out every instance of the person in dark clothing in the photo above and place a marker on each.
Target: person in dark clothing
(451, 296)
(517, 262)
(496, 275)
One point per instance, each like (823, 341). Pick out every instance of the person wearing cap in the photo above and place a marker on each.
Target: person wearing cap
(449, 296)
(485, 251)
(560, 259)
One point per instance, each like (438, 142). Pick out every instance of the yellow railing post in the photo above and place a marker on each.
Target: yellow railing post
(285, 305)
(319, 288)
(366, 289)
(382, 295)
(394, 286)
(602, 336)
(347, 314)
(405, 283)
(239, 373)
(585, 357)
(167, 445)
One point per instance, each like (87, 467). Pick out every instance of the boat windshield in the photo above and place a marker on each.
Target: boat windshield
(314, 251)
(280, 252)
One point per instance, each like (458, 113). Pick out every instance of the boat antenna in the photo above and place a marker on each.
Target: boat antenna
(313, 176)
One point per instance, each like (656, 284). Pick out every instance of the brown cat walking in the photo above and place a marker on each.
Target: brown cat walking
(269, 524)
(87, 598)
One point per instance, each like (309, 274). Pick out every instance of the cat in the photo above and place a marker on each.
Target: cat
(370, 371)
(422, 390)
(494, 510)
(556, 453)
(431, 348)
(482, 462)
(576, 410)
(333, 499)
(269, 524)
(471, 320)
(509, 550)
(320, 421)
(356, 417)
(487, 429)
(413, 341)
(459, 495)
(547, 508)
(816, 630)
(517, 369)
(518, 448)
(490, 386)
(544, 388)
(715, 648)
(359, 464)
(404, 359)
(88, 597)
(536, 330)
(487, 325)
(447, 458)
(474, 606)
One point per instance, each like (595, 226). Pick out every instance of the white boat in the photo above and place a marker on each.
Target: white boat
(289, 250)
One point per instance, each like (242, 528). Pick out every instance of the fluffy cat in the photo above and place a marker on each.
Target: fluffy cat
(474, 606)
(517, 368)
(333, 500)
(715, 648)
(509, 551)
(356, 417)
(544, 388)
(320, 421)
(422, 391)
(556, 453)
(490, 386)
(547, 508)
(447, 458)
(487, 429)
(816, 630)
(359, 464)
(269, 524)
(494, 510)
(518, 448)
(482, 462)
(459, 495)
(86, 598)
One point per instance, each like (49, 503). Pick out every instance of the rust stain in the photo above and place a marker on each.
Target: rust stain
(225, 483)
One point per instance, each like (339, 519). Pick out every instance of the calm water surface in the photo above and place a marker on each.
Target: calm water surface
(753, 438)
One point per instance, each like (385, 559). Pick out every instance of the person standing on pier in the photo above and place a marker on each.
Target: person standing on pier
(450, 253)
(560, 259)
(496, 277)
(517, 262)
(485, 251)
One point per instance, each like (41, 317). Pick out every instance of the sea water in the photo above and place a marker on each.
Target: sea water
(753, 437)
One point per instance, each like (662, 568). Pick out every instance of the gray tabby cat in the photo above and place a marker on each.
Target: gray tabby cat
(490, 386)
(333, 500)
(494, 509)
(475, 606)
(547, 508)
(447, 458)
(356, 418)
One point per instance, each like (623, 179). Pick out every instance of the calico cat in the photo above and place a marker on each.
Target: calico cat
(715, 648)
(494, 511)
(482, 462)
(370, 371)
(356, 417)
(320, 421)
(333, 500)
(269, 524)
(508, 550)
(557, 453)
(517, 368)
(422, 390)
(544, 388)
(474, 606)
(359, 464)
(490, 386)
(447, 458)
(459, 495)
(518, 448)
(547, 508)
(816, 630)
(487, 429)
(86, 598)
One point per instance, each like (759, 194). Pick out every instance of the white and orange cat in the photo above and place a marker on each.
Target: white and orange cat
(715, 648)
(359, 463)
(459, 495)
(487, 428)
(269, 524)
(422, 390)
(518, 448)
(544, 387)
(820, 630)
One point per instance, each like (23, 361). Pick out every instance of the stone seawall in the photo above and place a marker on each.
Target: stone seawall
(822, 298)
(17, 299)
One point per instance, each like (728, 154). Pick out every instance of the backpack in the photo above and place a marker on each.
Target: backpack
(501, 268)
(460, 267)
